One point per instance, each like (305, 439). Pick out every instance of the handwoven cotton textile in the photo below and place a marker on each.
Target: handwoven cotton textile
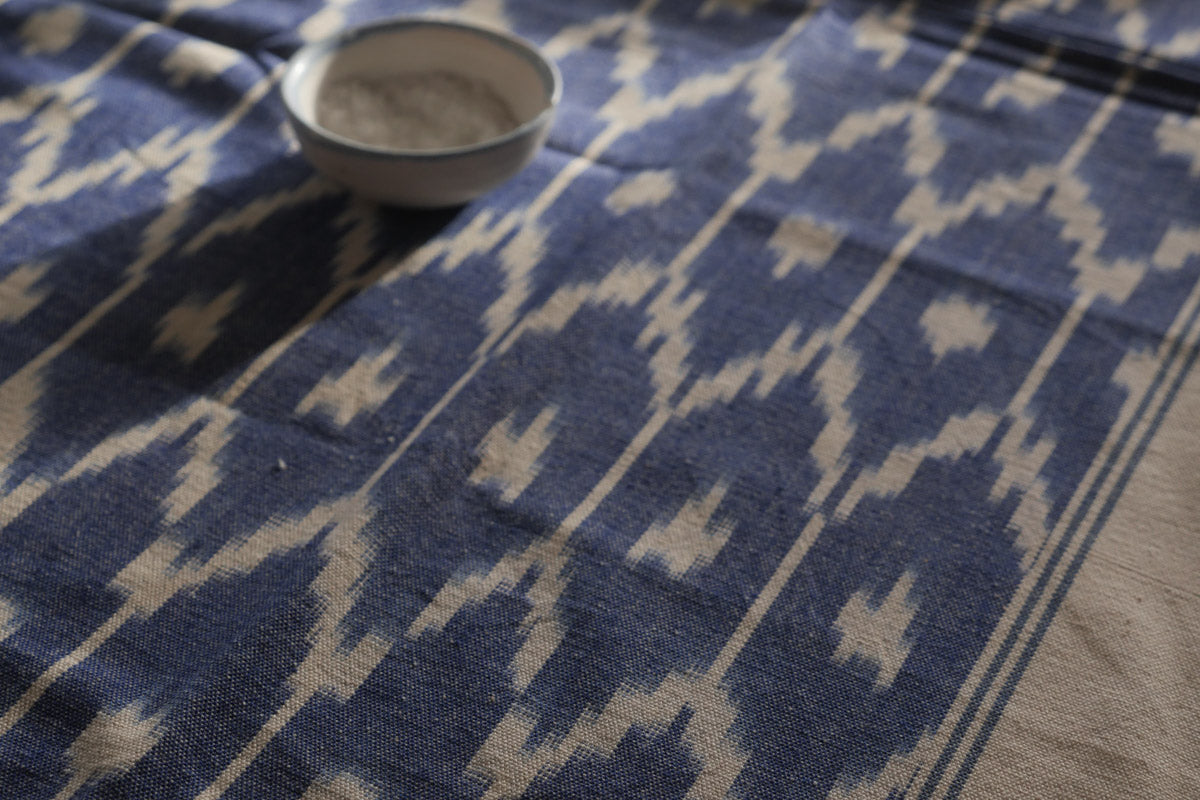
(815, 417)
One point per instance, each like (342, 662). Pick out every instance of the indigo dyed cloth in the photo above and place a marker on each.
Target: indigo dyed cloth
(815, 417)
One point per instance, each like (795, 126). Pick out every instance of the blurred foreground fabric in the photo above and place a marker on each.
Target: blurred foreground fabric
(816, 417)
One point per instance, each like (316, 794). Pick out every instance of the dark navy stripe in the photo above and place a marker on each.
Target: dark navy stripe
(1010, 641)
(1061, 591)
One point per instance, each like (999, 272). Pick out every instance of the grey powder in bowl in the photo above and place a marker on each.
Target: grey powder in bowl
(414, 111)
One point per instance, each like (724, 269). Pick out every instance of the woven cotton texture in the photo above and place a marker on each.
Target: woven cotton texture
(815, 417)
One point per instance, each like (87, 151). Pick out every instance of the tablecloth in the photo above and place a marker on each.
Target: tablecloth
(815, 417)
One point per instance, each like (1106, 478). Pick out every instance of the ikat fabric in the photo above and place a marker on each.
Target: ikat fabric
(811, 418)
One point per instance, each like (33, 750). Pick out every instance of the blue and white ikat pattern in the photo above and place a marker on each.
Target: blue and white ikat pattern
(744, 445)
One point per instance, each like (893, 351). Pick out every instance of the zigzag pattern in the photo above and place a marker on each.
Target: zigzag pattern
(696, 425)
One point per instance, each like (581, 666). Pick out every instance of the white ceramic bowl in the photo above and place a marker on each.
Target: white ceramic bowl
(512, 68)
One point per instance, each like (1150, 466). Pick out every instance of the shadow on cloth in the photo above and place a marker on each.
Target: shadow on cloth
(253, 259)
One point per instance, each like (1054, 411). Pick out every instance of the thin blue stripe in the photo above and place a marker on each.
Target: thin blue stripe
(1010, 641)
(1061, 591)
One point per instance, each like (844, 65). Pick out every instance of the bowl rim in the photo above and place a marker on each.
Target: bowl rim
(303, 60)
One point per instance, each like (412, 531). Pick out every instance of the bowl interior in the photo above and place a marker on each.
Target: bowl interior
(515, 72)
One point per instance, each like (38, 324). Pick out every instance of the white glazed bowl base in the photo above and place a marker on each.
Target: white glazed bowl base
(528, 84)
